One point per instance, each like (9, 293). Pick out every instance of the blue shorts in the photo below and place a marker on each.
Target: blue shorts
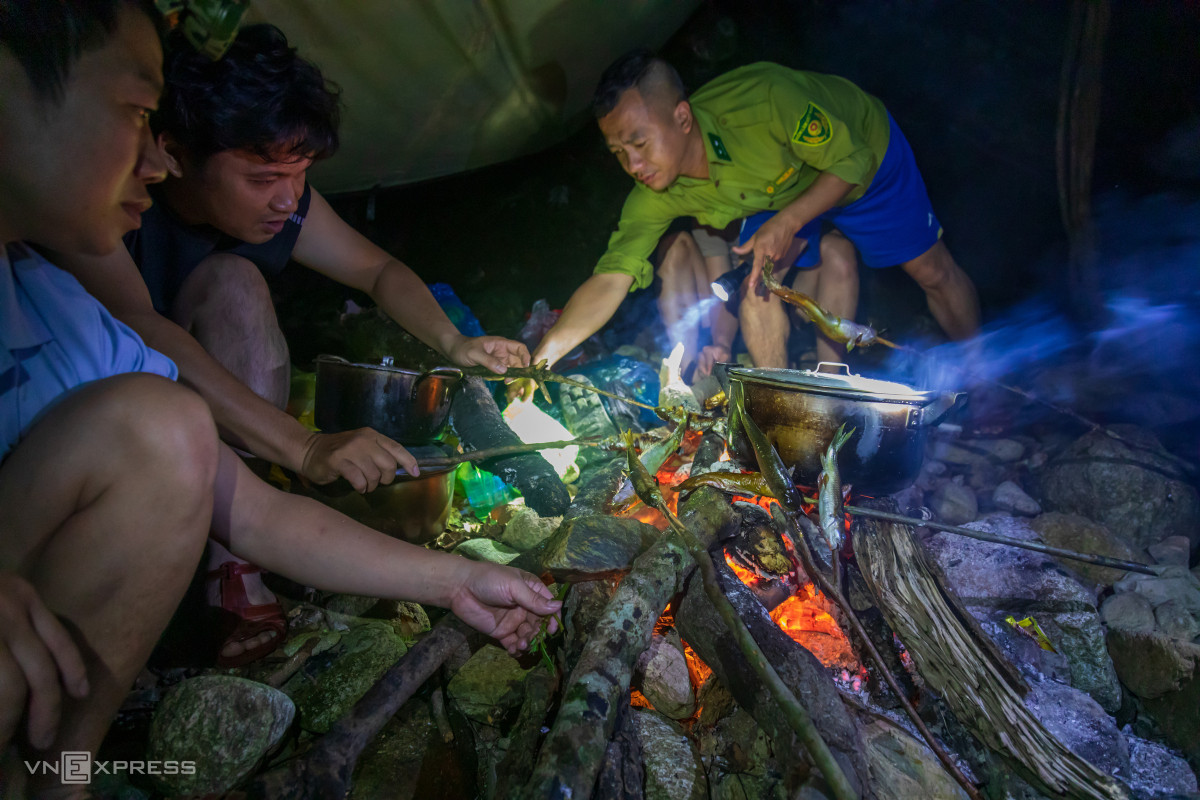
(891, 224)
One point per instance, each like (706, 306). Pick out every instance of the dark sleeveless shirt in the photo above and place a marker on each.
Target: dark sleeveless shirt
(166, 249)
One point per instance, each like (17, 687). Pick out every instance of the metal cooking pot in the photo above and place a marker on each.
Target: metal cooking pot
(800, 410)
(413, 509)
(408, 406)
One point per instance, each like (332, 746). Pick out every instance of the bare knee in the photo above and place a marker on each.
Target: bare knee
(681, 258)
(933, 269)
(226, 286)
(838, 259)
(165, 430)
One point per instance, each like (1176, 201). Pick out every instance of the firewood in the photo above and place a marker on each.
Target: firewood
(574, 749)
(958, 661)
(477, 421)
(701, 627)
(325, 770)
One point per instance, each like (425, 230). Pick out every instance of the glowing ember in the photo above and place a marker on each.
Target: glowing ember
(807, 619)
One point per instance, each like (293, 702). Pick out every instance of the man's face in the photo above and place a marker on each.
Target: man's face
(242, 194)
(73, 175)
(648, 137)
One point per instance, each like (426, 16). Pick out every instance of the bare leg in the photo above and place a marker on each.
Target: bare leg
(764, 320)
(833, 283)
(948, 290)
(226, 305)
(104, 509)
(683, 274)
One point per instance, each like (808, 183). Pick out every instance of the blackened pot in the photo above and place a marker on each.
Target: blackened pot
(800, 410)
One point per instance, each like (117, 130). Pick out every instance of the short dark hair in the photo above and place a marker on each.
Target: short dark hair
(637, 68)
(260, 96)
(47, 38)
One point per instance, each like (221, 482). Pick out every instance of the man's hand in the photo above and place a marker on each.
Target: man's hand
(709, 355)
(505, 603)
(520, 390)
(363, 457)
(772, 241)
(494, 352)
(38, 660)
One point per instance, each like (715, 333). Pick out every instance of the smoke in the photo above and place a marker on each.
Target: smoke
(689, 322)
(1139, 363)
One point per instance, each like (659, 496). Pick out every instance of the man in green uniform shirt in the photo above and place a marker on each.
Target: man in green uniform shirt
(781, 149)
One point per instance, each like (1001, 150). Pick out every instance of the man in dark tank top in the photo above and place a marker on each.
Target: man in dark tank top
(239, 135)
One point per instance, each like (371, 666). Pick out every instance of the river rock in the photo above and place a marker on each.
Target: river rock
(1078, 533)
(1155, 771)
(995, 581)
(1080, 724)
(1012, 498)
(222, 723)
(1174, 550)
(527, 529)
(365, 653)
(673, 770)
(661, 674)
(484, 549)
(1135, 490)
(1129, 612)
(588, 548)
(1165, 674)
(1173, 583)
(954, 504)
(488, 686)
(907, 767)
(1176, 621)
(390, 767)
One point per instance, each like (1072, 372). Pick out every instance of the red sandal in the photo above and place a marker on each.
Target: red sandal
(239, 621)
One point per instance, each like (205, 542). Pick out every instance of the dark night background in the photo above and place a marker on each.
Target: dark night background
(975, 87)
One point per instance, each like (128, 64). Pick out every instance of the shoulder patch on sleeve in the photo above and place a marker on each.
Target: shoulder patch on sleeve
(814, 127)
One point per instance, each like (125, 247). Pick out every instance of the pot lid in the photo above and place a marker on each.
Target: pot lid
(833, 378)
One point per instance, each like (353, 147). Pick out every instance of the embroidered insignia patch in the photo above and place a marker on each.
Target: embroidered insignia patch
(719, 147)
(814, 127)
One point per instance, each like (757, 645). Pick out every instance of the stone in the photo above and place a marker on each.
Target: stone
(484, 549)
(1175, 712)
(1174, 583)
(527, 529)
(1012, 498)
(1155, 771)
(907, 767)
(673, 770)
(351, 605)
(223, 724)
(1080, 724)
(488, 686)
(588, 548)
(1004, 451)
(1174, 550)
(1082, 535)
(366, 652)
(1151, 664)
(661, 674)
(954, 504)
(1135, 490)
(1129, 612)
(995, 581)
(1176, 621)
(715, 701)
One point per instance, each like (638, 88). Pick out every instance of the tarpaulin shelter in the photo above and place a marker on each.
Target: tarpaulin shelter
(435, 87)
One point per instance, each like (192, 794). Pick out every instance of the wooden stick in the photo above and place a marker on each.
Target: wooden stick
(995, 538)
(504, 450)
(784, 524)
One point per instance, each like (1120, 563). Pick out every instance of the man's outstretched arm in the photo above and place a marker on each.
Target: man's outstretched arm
(244, 419)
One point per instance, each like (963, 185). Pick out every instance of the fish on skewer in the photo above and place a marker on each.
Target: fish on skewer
(833, 327)
(831, 513)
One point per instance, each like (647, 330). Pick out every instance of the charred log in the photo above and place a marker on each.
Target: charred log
(477, 421)
(541, 688)
(622, 776)
(700, 625)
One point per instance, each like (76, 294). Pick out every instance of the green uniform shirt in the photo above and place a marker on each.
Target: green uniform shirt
(768, 132)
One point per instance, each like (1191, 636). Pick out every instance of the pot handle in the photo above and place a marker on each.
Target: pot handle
(833, 368)
(437, 372)
(940, 405)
